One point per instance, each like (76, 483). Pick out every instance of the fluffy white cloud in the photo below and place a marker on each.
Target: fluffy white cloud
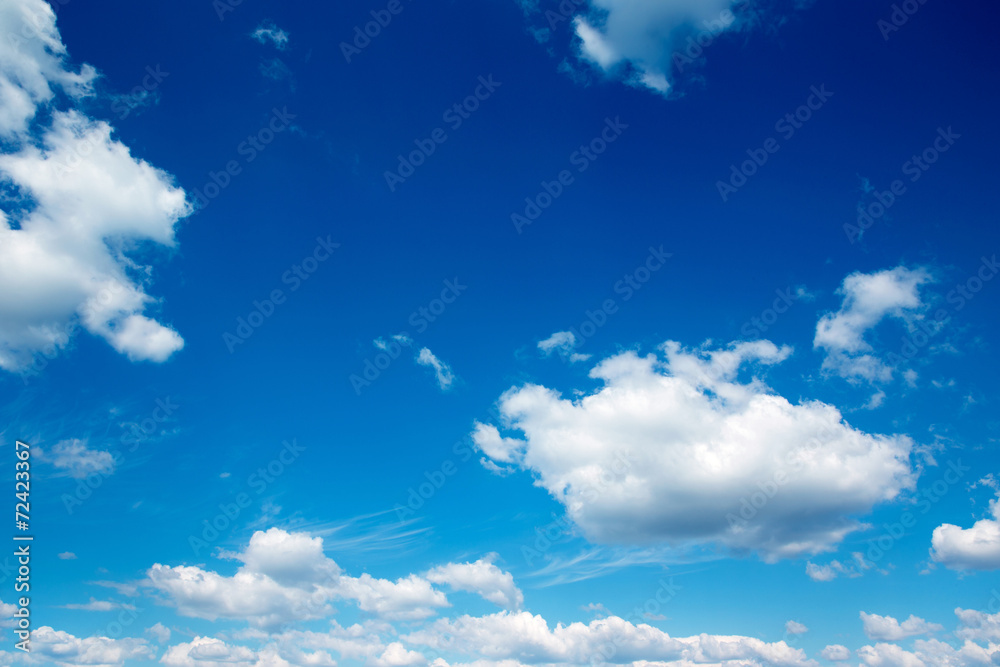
(888, 628)
(930, 653)
(397, 655)
(527, 639)
(62, 648)
(647, 42)
(868, 299)
(836, 653)
(213, 652)
(975, 548)
(888, 655)
(481, 577)
(356, 642)
(159, 632)
(408, 598)
(562, 343)
(32, 64)
(74, 458)
(442, 371)
(246, 595)
(84, 205)
(290, 559)
(287, 577)
(679, 451)
(978, 625)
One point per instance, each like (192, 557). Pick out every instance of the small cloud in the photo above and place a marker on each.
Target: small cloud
(268, 32)
(868, 300)
(795, 628)
(596, 608)
(562, 342)
(804, 295)
(223, 475)
(159, 632)
(875, 401)
(73, 458)
(442, 371)
(990, 482)
(67, 555)
(836, 653)
(500, 471)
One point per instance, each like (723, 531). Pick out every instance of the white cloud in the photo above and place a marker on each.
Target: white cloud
(291, 559)
(67, 555)
(268, 32)
(888, 655)
(481, 577)
(66, 246)
(397, 655)
(284, 577)
(836, 653)
(562, 342)
(32, 64)
(869, 298)
(526, 638)
(442, 371)
(928, 653)
(408, 598)
(975, 548)
(648, 43)
(822, 572)
(159, 632)
(672, 451)
(75, 459)
(795, 628)
(213, 652)
(888, 628)
(978, 625)
(246, 595)
(63, 648)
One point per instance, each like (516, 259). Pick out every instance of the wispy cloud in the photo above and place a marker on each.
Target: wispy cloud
(269, 33)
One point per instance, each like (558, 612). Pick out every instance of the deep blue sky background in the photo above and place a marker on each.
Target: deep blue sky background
(656, 185)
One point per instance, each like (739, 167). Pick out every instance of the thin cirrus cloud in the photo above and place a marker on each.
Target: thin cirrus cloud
(692, 446)
(79, 205)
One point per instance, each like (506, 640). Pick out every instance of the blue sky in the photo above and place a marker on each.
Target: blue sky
(506, 334)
